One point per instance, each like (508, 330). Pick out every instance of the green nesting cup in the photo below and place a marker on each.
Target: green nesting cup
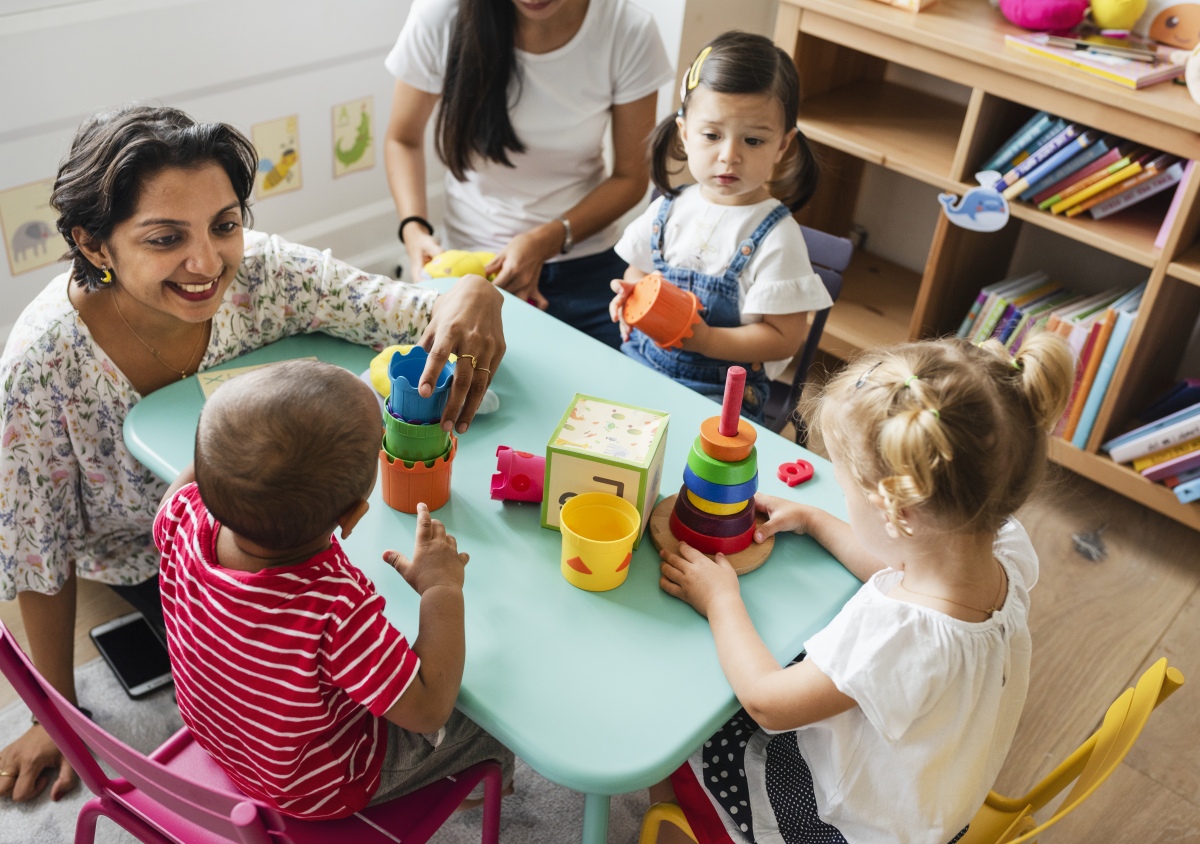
(405, 441)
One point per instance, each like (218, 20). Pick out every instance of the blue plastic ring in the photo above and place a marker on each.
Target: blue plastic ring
(719, 493)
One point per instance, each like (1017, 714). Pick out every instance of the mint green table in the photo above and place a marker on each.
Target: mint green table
(605, 693)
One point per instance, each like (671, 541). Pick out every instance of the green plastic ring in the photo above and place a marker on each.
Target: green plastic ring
(718, 471)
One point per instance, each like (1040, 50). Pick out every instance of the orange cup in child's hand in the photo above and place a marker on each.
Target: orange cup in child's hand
(662, 311)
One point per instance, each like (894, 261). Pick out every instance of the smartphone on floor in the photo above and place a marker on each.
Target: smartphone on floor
(134, 652)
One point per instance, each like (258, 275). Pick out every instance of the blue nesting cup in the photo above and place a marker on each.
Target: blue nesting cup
(405, 373)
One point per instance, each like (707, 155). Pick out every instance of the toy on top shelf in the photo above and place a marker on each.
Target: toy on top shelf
(714, 509)
(1044, 14)
(454, 263)
(519, 475)
(662, 311)
(1117, 14)
(417, 454)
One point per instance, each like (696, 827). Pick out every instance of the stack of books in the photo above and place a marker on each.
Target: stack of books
(1096, 327)
(1069, 169)
(1108, 59)
(1166, 449)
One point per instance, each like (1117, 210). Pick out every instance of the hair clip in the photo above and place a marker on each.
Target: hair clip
(863, 379)
(693, 77)
(936, 415)
(1016, 364)
(908, 381)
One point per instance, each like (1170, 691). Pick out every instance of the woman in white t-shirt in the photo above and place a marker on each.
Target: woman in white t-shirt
(895, 724)
(526, 92)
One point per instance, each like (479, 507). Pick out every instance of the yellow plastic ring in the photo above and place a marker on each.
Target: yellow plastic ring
(714, 508)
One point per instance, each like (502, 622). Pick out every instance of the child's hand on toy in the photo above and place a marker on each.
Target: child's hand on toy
(694, 578)
(436, 560)
(782, 515)
(518, 266)
(616, 308)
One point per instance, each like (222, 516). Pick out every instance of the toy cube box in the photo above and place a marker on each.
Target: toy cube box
(605, 446)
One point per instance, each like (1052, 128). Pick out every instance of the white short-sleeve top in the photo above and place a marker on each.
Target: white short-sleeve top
(938, 704)
(70, 490)
(560, 111)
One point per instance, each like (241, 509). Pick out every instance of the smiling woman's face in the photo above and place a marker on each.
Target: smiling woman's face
(180, 249)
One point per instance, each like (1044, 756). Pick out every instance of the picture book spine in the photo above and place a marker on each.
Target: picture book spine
(964, 329)
(1085, 336)
(1158, 424)
(1188, 492)
(1032, 128)
(1166, 455)
(1172, 467)
(1052, 193)
(1147, 174)
(1181, 431)
(1072, 165)
(1173, 209)
(1069, 149)
(1182, 478)
(1145, 190)
(1102, 330)
(1092, 190)
(1108, 364)
(1036, 158)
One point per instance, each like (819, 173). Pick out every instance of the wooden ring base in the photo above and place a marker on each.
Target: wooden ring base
(743, 562)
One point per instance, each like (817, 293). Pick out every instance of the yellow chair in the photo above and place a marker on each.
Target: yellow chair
(1002, 820)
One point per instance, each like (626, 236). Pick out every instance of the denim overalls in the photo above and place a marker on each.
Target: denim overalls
(719, 296)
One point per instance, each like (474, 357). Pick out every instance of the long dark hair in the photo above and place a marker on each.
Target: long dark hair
(113, 152)
(741, 63)
(481, 63)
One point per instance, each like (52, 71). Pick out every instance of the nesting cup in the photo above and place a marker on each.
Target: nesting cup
(404, 372)
(409, 483)
(407, 441)
(662, 311)
(598, 531)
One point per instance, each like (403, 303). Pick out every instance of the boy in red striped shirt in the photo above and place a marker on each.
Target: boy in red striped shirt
(286, 670)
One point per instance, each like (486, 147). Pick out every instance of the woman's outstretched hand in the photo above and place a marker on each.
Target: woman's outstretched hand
(26, 762)
(465, 322)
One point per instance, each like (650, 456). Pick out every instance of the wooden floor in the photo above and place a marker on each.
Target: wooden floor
(1096, 627)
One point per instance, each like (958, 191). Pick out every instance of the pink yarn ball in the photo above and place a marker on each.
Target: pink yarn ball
(1044, 14)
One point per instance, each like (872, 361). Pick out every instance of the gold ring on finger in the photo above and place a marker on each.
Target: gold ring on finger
(472, 359)
(7, 774)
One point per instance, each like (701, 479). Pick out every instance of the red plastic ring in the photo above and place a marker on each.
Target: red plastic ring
(710, 544)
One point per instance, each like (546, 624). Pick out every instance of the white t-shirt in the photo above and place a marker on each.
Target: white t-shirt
(703, 236)
(561, 116)
(938, 705)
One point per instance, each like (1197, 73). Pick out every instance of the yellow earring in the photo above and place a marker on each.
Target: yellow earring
(107, 277)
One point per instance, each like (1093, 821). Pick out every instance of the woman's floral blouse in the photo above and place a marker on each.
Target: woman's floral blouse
(70, 491)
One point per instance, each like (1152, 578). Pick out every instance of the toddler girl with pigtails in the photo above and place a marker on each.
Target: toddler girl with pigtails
(895, 723)
(729, 238)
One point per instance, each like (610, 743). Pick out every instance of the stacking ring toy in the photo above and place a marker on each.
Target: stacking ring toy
(711, 525)
(719, 493)
(720, 471)
(710, 544)
(728, 448)
(713, 507)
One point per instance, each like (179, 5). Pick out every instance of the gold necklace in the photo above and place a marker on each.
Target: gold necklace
(995, 602)
(182, 373)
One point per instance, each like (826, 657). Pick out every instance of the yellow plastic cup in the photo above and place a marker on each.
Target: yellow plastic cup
(598, 530)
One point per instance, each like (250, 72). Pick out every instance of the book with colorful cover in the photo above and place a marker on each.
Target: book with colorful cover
(1125, 155)
(1188, 492)
(1030, 129)
(1141, 189)
(1072, 165)
(1126, 310)
(992, 311)
(1182, 478)
(1175, 465)
(1173, 209)
(1134, 167)
(1184, 426)
(1152, 165)
(1073, 148)
(1013, 311)
(1089, 362)
(1035, 316)
(1055, 127)
(1154, 425)
(1036, 158)
(965, 329)
(1166, 455)
(1129, 73)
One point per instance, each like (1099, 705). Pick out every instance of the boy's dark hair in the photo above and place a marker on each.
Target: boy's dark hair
(481, 63)
(114, 152)
(741, 63)
(284, 451)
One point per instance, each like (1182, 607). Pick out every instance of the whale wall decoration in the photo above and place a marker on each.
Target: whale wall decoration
(981, 209)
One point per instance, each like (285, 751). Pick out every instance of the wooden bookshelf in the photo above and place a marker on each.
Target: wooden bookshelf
(855, 114)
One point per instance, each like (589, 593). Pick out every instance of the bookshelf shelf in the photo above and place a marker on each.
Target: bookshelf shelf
(875, 307)
(852, 109)
(892, 125)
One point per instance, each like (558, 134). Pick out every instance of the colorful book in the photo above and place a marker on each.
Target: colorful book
(1188, 492)
(1014, 310)
(1050, 194)
(1126, 310)
(1035, 316)
(1059, 149)
(965, 329)
(1184, 428)
(1174, 466)
(1031, 129)
(992, 311)
(1089, 363)
(1122, 71)
(1166, 455)
(1131, 169)
(1072, 165)
(1085, 182)
(1152, 427)
(1055, 127)
(1141, 189)
(1152, 165)
(1181, 395)
(1182, 478)
(1173, 209)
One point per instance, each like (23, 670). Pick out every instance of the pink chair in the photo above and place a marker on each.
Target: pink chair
(178, 795)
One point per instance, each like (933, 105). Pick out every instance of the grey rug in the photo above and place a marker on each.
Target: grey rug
(540, 811)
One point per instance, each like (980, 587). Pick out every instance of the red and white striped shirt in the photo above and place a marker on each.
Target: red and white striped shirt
(282, 674)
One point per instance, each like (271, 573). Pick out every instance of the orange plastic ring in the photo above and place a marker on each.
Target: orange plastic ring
(720, 447)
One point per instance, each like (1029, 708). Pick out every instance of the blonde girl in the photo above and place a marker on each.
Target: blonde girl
(730, 238)
(894, 726)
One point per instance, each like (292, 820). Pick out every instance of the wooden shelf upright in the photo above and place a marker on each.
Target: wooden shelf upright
(855, 115)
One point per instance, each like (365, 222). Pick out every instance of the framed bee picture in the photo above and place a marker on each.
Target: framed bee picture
(278, 145)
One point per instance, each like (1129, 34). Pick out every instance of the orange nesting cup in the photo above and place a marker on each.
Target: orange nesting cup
(662, 311)
(408, 483)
